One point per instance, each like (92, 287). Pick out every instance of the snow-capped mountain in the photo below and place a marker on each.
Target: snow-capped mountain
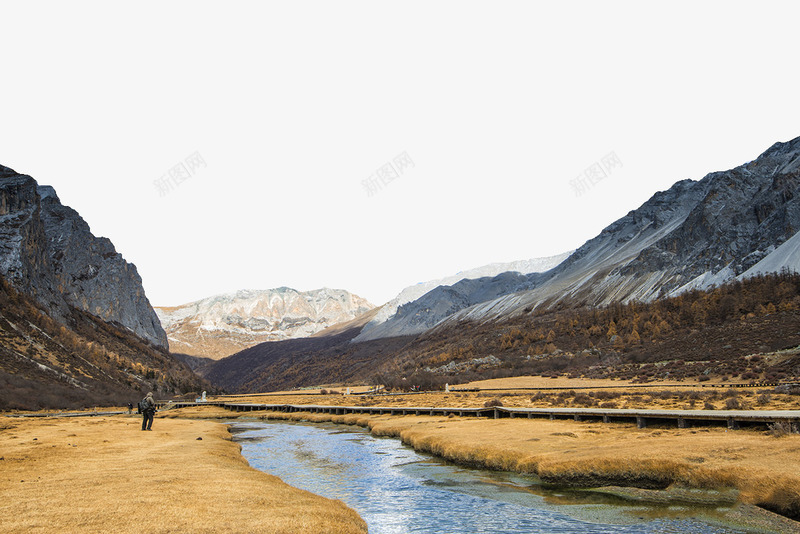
(695, 235)
(515, 270)
(221, 325)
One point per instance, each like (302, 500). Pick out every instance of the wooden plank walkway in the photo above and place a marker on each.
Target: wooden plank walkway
(731, 419)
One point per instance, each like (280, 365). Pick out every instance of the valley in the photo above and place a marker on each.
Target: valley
(690, 302)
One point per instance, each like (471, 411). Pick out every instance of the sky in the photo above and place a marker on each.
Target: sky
(372, 145)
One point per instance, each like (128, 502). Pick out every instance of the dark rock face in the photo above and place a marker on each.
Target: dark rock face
(48, 251)
(24, 257)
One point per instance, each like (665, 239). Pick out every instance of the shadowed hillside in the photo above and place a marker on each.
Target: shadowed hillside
(81, 362)
(300, 362)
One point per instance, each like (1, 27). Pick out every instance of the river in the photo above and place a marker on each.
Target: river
(398, 490)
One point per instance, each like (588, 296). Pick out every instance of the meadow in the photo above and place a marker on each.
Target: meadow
(103, 474)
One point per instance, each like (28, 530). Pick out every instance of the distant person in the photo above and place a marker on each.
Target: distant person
(148, 411)
(130, 407)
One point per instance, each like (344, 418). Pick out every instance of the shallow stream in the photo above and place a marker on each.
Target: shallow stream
(398, 490)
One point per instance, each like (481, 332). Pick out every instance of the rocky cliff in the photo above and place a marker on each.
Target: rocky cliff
(48, 251)
(221, 325)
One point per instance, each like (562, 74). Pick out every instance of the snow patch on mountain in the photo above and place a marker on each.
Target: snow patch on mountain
(786, 256)
(707, 280)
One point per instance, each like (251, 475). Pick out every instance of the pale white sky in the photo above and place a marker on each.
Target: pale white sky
(293, 105)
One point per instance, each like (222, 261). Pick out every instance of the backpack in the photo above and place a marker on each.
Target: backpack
(144, 405)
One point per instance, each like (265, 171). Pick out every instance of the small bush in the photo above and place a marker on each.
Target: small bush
(733, 404)
(708, 406)
(780, 429)
(764, 398)
(584, 400)
(788, 389)
(606, 395)
(492, 403)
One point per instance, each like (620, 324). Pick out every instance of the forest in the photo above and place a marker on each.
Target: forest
(742, 331)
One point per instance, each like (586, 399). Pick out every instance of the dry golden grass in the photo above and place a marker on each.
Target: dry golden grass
(632, 398)
(333, 389)
(104, 474)
(764, 469)
(542, 382)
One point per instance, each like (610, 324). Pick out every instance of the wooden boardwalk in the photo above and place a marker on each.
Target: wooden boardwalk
(731, 419)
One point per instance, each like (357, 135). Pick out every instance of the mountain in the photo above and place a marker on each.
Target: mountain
(725, 228)
(218, 326)
(695, 235)
(48, 251)
(458, 291)
(75, 324)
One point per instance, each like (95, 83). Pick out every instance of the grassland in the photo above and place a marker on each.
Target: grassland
(103, 474)
(560, 392)
(762, 469)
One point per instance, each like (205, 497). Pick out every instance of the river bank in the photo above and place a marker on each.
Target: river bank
(103, 474)
(761, 469)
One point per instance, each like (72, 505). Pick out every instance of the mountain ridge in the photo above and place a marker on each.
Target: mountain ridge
(48, 251)
(502, 272)
(680, 239)
(223, 324)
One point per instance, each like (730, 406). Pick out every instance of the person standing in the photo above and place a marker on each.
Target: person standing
(148, 411)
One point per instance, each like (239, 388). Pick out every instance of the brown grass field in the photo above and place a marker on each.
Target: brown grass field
(103, 474)
(658, 396)
(763, 469)
(89, 474)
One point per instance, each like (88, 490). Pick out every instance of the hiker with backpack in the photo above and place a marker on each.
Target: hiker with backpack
(147, 407)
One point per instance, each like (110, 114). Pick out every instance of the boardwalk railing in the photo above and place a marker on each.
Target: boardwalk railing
(731, 419)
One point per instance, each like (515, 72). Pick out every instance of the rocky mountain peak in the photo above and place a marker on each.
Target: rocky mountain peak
(48, 251)
(696, 234)
(221, 325)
